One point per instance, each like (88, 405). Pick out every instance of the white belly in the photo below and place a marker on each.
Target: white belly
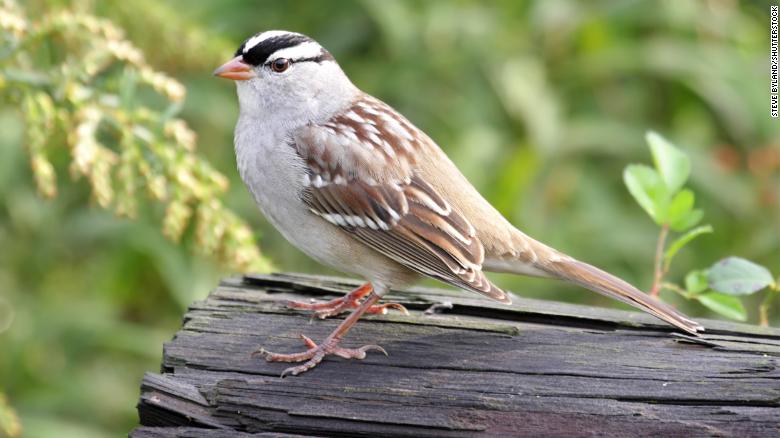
(274, 174)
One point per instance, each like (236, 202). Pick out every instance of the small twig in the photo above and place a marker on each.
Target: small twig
(660, 271)
(763, 309)
(675, 288)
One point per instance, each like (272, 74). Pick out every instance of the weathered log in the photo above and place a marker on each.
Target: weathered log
(535, 368)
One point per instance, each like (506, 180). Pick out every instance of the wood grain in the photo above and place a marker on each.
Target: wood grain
(534, 368)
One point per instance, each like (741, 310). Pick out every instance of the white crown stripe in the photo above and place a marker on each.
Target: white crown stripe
(305, 50)
(257, 39)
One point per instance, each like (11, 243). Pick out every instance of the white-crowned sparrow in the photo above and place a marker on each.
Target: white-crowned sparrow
(356, 186)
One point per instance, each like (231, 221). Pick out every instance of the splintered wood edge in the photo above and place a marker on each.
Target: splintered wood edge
(211, 387)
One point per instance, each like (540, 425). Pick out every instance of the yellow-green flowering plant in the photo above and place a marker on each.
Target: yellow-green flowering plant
(75, 77)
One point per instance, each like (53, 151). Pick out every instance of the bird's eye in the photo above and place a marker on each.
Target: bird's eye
(279, 65)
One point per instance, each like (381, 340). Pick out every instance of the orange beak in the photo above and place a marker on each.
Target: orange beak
(235, 69)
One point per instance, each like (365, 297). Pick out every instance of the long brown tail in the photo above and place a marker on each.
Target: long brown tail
(595, 279)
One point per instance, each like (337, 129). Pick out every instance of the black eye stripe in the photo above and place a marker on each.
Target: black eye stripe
(323, 56)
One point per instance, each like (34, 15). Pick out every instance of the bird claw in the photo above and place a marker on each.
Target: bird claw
(348, 302)
(357, 353)
(382, 309)
(347, 305)
(315, 353)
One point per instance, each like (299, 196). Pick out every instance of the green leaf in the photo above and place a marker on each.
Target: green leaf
(683, 240)
(737, 276)
(672, 164)
(646, 187)
(689, 220)
(681, 214)
(696, 282)
(725, 305)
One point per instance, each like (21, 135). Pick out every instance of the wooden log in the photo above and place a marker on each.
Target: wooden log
(470, 368)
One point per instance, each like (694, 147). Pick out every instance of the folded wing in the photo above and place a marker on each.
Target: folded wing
(361, 177)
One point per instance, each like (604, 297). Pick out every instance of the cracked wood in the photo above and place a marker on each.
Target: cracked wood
(476, 369)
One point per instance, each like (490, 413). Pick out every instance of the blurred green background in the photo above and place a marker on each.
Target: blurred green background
(540, 103)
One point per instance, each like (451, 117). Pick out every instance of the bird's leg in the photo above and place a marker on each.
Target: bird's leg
(316, 353)
(350, 301)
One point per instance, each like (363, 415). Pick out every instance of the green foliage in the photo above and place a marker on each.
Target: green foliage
(737, 276)
(542, 123)
(683, 240)
(660, 193)
(719, 287)
(673, 165)
(696, 288)
(89, 95)
(647, 188)
(696, 282)
(724, 305)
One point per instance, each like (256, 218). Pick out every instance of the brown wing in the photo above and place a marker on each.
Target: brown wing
(361, 178)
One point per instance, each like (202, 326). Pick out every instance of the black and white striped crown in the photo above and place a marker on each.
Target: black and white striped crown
(266, 46)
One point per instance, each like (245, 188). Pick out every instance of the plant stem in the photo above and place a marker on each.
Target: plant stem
(763, 309)
(659, 257)
(675, 288)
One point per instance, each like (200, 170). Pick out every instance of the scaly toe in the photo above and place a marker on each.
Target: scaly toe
(356, 353)
(382, 309)
(308, 342)
(315, 353)
(341, 308)
(281, 357)
(311, 363)
(293, 357)
(317, 307)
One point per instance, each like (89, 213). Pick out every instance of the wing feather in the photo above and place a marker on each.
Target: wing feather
(362, 178)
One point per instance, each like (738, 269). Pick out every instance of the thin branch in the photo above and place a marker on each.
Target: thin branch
(675, 288)
(659, 258)
(763, 309)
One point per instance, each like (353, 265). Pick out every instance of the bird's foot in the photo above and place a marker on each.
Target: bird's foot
(315, 353)
(350, 301)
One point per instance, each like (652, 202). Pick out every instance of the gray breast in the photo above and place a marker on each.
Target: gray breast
(272, 171)
(274, 174)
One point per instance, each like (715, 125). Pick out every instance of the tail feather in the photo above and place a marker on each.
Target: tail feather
(595, 279)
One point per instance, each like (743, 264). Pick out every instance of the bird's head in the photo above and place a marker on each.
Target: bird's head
(288, 75)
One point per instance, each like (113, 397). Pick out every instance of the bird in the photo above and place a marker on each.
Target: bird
(357, 187)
